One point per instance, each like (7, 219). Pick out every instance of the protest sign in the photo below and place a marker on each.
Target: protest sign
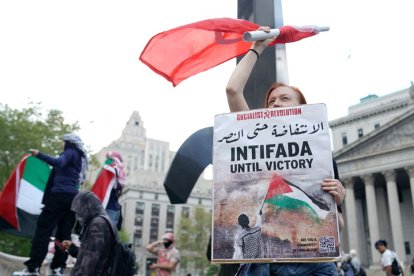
(268, 204)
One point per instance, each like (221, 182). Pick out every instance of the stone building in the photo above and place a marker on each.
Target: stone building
(374, 150)
(146, 208)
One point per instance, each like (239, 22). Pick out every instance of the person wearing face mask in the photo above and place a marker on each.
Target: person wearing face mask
(168, 255)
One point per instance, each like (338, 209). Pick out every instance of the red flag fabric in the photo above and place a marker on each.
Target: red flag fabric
(182, 52)
(190, 49)
(105, 183)
(8, 197)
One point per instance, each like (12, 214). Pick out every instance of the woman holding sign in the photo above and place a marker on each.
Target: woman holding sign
(278, 95)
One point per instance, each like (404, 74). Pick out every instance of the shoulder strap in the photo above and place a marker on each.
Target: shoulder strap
(112, 227)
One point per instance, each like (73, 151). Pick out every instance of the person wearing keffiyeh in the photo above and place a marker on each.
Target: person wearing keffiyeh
(113, 208)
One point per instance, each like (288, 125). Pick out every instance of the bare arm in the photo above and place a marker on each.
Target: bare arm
(388, 270)
(168, 266)
(152, 247)
(241, 73)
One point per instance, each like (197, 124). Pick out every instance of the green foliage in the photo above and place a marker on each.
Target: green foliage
(123, 236)
(192, 238)
(212, 269)
(26, 129)
(14, 245)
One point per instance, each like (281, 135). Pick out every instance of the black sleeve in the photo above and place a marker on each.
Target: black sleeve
(73, 250)
(335, 168)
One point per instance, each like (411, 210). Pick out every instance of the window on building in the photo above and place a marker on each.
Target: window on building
(150, 161)
(360, 132)
(138, 238)
(156, 196)
(185, 212)
(155, 210)
(139, 220)
(377, 125)
(155, 217)
(139, 208)
(170, 217)
(344, 139)
(407, 248)
(153, 235)
(200, 201)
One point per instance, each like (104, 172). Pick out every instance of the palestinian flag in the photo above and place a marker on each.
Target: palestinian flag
(21, 198)
(105, 182)
(288, 196)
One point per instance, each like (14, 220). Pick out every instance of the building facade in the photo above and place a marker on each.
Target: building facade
(146, 208)
(374, 151)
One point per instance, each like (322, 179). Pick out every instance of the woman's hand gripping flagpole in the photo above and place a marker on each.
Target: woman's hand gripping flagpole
(292, 31)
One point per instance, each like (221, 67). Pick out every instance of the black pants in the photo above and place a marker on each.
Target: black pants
(55, 214)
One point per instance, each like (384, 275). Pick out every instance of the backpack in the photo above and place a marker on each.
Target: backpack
(362, 272)
(122, 260)
(395, 267)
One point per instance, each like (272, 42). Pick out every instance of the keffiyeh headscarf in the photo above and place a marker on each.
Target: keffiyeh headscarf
(119, 166)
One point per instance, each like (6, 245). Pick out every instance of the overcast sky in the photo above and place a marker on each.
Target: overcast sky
(81, 57)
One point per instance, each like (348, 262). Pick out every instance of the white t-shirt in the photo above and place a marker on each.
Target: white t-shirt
(387, 257)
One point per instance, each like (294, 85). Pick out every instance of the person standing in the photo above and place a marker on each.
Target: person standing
(387, 259)
(168, 255)
(248, 240)
(113, 208)
(97, 240)
(278, 95)
(68, 172)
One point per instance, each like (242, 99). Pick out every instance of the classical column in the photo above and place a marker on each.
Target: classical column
(351, 216)
(372, 216)
(410, 171)
(395, 214)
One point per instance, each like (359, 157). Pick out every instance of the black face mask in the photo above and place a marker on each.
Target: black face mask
(167, 244)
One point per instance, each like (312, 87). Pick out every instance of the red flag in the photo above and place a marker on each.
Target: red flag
(8, 197)
(185, 51)
(190, 49)
(105, 183)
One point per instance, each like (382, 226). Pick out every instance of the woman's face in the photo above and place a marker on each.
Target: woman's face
(283, 97)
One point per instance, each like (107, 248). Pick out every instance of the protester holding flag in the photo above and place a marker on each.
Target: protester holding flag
(247, 242)
(109, 184)
(69, 170)
(278, 95)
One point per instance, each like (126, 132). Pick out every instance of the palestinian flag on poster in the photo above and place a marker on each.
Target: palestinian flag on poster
(286, 195)
(105, 182)
(21, 198)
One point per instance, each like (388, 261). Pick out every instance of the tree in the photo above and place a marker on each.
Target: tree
(192, 238)
(22, 130)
